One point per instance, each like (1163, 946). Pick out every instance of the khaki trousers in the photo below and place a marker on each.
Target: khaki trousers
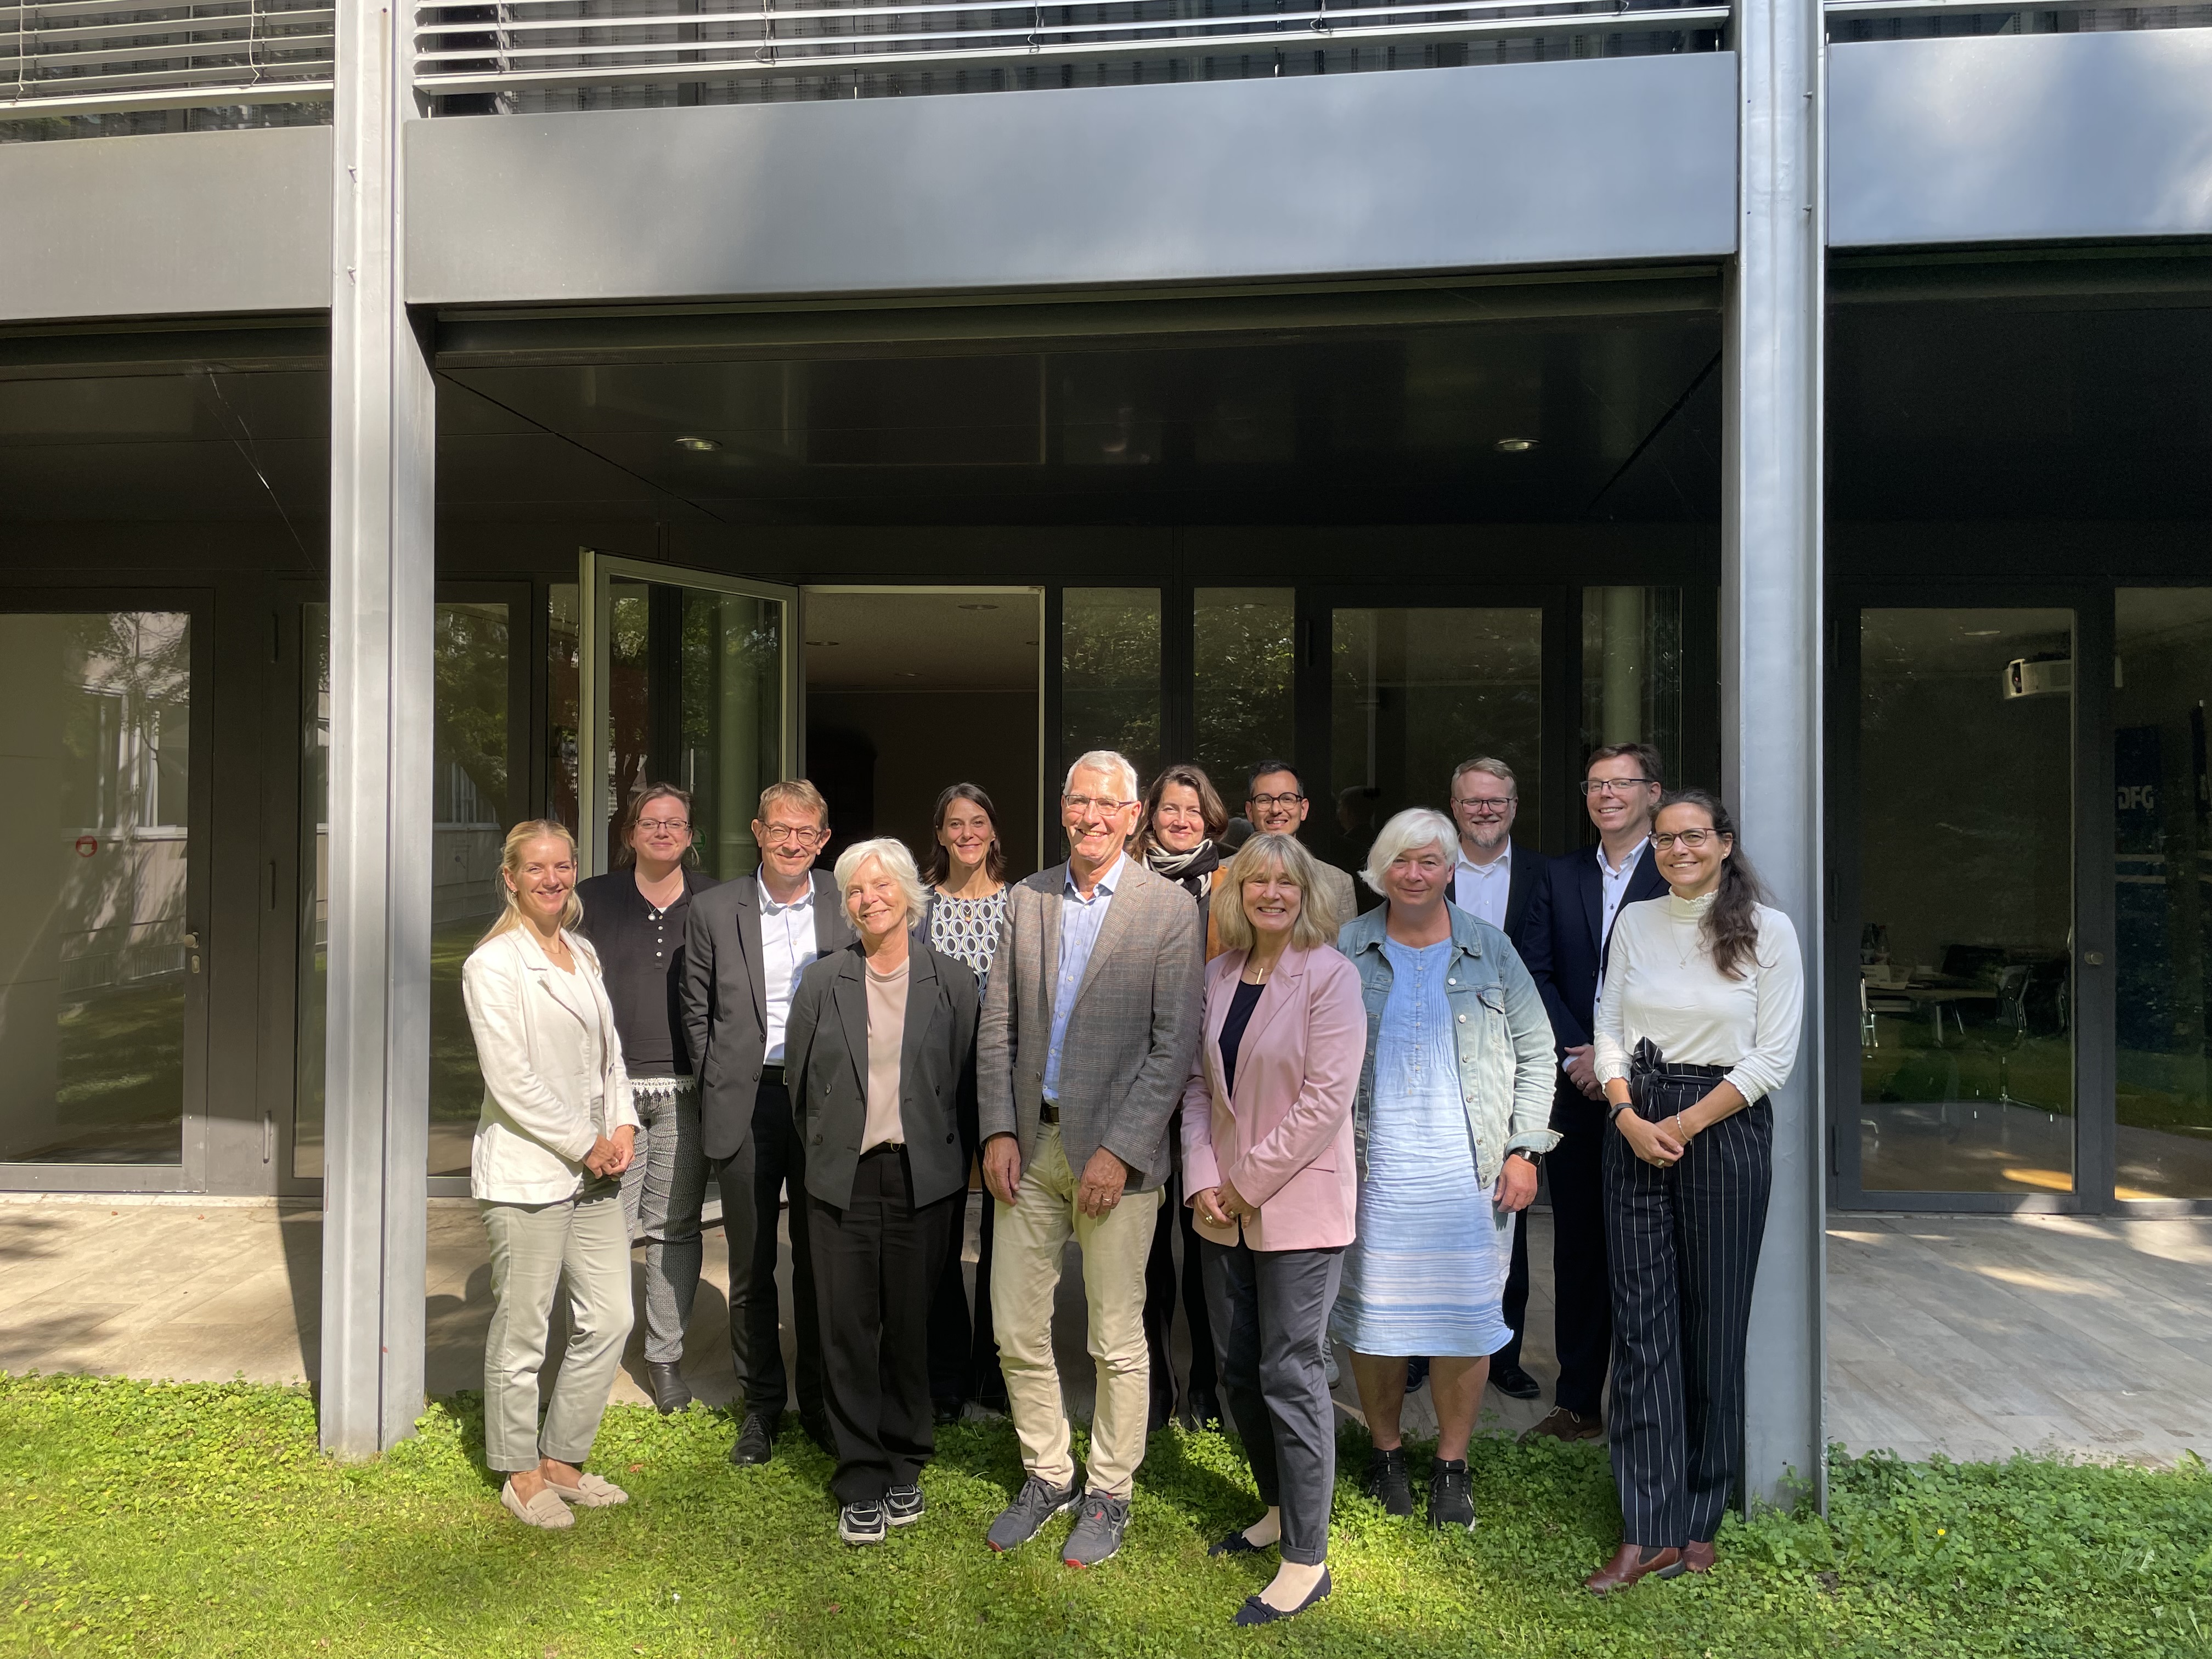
(581, 1243)
(1031, 1235)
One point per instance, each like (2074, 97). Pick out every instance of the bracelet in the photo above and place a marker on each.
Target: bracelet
(1615, 1108)
(1683, 1129)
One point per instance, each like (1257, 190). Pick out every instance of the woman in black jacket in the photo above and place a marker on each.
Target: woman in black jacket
(880, 1058)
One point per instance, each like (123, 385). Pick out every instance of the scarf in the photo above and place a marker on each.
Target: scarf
(1192, 869)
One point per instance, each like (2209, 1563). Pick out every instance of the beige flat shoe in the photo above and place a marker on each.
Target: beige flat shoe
(591, 1492)
(546, 1509)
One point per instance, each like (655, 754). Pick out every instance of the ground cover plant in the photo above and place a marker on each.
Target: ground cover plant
(201, 1519)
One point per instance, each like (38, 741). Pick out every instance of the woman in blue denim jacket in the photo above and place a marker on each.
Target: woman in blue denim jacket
(1453, 1110)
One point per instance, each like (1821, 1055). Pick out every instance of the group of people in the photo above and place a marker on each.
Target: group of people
(1173, 1030)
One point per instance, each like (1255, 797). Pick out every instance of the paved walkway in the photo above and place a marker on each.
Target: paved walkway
(1970, 1336)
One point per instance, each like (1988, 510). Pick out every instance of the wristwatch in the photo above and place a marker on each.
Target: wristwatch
(1535, 1158)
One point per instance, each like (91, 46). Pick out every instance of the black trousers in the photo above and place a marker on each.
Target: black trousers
(1515, 1308)
(1581, 1289)
(1684, 1244)
(964, 1352)
(875, 1264)
(1161, 1277)
(752, 1182)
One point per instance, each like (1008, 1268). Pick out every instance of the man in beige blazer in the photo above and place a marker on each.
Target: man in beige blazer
(1088, 1032)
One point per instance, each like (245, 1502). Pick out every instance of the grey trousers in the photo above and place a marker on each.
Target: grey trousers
(1270, 1313)
(663, 1192)
(583, 1242)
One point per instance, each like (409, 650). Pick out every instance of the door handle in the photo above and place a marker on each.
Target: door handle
(191, 944)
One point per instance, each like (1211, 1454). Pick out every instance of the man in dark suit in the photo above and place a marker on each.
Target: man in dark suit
(1493, 881)
(746, 945)
(1563, 941)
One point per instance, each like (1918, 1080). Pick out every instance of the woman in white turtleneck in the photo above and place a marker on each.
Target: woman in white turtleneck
(1698, 1022)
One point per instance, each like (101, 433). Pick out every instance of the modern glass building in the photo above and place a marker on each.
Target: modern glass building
(413, 420)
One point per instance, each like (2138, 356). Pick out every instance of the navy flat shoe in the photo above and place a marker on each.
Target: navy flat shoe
(1237, 1544)
(1257, 1611)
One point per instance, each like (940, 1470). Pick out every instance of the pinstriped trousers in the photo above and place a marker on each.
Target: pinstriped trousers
(1683, 1245)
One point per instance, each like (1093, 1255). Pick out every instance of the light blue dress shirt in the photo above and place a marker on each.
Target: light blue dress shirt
(1080, 919)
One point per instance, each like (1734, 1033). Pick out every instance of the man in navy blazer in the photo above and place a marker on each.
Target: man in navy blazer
(1563, 940)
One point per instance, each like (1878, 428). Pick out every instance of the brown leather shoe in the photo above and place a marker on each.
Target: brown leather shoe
(1560, 1423)
(1697, 1558)
(1634, 1562)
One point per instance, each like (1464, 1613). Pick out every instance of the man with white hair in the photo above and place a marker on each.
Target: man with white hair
(1088, 1026)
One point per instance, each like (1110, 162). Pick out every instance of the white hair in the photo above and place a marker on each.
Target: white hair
(1105, 759)
(898, 863)
(1415, 828)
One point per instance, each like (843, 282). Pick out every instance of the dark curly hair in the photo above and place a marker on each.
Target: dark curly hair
(1731, 926)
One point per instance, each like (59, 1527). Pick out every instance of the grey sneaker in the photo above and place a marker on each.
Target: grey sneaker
(1099, 1523)
(862, 1524)
(902, 1505)
(1034, 1505)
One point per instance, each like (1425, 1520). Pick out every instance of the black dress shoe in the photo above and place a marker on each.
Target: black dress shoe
(669, 1392)
(947, 1411)
(1514, 1382)
(1205, 1407)
(756, 1441)
(1257, 1611)
(1237, 1544)
(818, 1430)
(1417, 1374)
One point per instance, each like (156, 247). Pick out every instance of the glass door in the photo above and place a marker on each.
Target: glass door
(104, 984)
(689, 678)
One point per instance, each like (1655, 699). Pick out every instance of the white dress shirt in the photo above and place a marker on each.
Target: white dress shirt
(787, 946)
(1616, 887)
(1482, 889)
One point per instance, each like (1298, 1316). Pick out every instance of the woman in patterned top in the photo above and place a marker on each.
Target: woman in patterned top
(965, 919)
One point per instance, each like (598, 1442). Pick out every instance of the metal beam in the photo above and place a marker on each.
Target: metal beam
(382, 599)
(1771, 674)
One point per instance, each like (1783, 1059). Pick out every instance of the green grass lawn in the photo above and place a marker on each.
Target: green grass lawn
(201, 1520)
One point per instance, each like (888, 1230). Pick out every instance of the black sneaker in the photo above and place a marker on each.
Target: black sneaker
(862, 1524)
(1388, 1482)
(1099, 1524)
(1451, 1498)
(756, 1441)
(1033, 1506)
(902, 1505)
(1515, 1383)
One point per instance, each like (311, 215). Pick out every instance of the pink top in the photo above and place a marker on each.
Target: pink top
(1285, 1139)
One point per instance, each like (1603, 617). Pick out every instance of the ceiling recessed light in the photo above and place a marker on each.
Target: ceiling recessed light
(1515, 446)
(905, 674)
(979, 607)
(698, 445)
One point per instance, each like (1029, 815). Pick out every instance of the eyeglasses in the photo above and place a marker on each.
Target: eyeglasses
(1615, 785)
(1291, 799)
(1087, 805)
(1484, 806)
(656, 826)
(1692, 839)
(785, 834)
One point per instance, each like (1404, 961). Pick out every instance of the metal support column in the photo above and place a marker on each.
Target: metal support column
(1770, 671)
(382, 599)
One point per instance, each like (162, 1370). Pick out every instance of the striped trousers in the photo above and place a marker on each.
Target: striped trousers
(1683, 1246)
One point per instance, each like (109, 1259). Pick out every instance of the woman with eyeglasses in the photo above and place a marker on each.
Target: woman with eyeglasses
(634, 916)
(1178, 836)
(1697, 1023)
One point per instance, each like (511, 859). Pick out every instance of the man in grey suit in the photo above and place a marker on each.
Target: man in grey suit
(744, 947)
(1276, 805)
(1088, 1030)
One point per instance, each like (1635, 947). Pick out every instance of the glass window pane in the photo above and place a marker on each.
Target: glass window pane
(312, 979)
(630, 694)
(1109, 694)
(1414, 691)
(732, 722)
(563, 641)
(1632, 670)
(2161, 904)
(1246, 682)
(1965, 855)
(94, 708)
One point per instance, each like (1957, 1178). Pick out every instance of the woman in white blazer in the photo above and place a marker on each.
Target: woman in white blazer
(554, 1137)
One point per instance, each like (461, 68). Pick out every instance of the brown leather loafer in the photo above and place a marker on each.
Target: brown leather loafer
(1632, 1565)
(1697, 1558)
(1560, 1423)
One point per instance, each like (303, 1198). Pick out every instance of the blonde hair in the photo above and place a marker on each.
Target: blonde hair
(1409, 831)
(510, 865)
(1316, 923)
(897, 863)
(797, 790)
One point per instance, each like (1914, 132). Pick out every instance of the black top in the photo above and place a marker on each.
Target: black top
(1232, 1028)
(642, 959)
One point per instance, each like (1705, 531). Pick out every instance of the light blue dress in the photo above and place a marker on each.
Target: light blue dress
(1426, 1274)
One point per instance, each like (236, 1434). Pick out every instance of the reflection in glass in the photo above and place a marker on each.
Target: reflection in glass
(563, 646)
(1110, 642)
(1412, 693)
(1965, 853)
(629, 694)
(732, 719)
(471, 803)
(1632, 670)
(92, 996)
(2162, 909)
(1246, 682)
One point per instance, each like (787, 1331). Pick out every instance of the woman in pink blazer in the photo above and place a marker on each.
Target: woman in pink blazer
(1267, 1162)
